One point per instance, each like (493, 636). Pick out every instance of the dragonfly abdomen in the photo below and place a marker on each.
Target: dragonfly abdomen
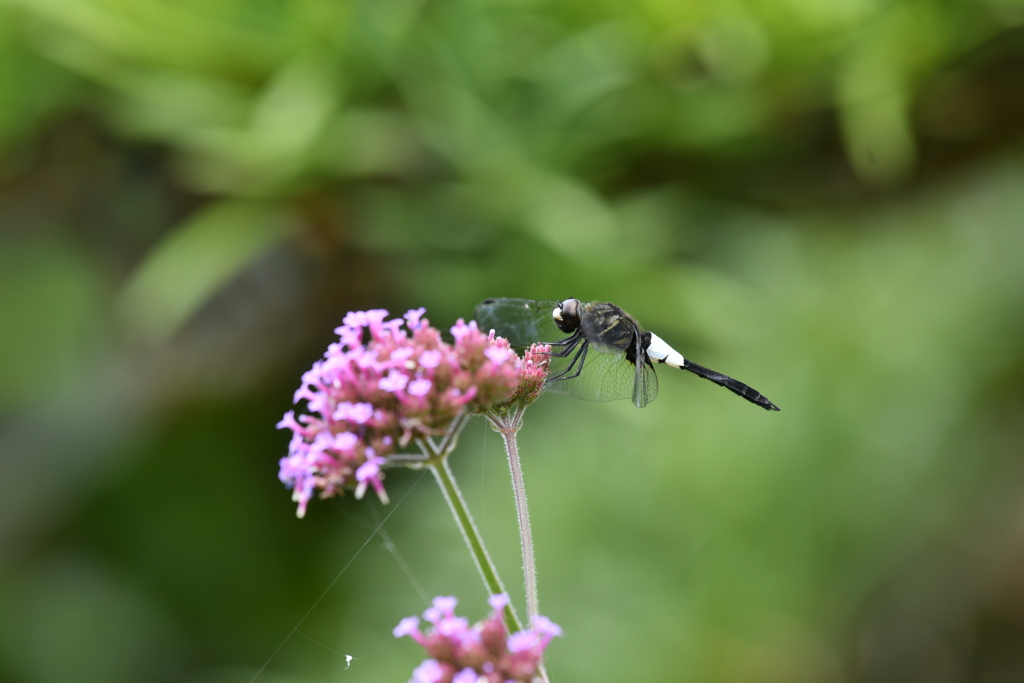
(660, 352)
(735, 386)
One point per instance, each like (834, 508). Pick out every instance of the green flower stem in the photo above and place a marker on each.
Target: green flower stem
(438, 464)
(508, 427)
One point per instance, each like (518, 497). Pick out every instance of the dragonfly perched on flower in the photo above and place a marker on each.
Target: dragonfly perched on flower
(607, 354)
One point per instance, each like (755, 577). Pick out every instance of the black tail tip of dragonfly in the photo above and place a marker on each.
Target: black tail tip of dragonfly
(735, 386)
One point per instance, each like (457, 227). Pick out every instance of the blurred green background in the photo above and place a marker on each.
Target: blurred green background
(824, 199)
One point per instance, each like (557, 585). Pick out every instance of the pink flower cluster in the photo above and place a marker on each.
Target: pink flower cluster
(533, 372)
(461, 653)
(381, 386)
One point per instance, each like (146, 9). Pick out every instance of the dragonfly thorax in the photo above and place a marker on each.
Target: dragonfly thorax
(567, 315)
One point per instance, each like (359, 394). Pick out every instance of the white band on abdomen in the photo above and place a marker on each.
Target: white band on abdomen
(660, 352)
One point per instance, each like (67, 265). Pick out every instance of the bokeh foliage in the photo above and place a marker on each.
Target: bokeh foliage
(822, 199)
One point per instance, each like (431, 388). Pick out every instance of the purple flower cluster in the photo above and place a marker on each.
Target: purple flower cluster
(461, 653)
(381, 386)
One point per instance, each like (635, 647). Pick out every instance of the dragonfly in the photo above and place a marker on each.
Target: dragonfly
(607, 354)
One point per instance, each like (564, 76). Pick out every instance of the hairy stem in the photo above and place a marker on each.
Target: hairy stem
(508, 425)
(525, 535)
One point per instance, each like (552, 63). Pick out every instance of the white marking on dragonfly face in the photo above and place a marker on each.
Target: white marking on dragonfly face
(660, 352)
(557, 313)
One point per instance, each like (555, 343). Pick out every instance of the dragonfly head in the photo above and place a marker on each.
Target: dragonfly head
(567, 315)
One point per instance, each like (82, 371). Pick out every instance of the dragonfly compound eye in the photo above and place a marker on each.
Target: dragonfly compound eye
(571, 309)
(567, 315)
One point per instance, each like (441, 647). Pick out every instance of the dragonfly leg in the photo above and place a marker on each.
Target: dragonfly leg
(569, 342)
(580, 356)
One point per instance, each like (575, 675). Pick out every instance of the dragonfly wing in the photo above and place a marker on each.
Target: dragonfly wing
(645, 382)
(604, 377)
(521, 321)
